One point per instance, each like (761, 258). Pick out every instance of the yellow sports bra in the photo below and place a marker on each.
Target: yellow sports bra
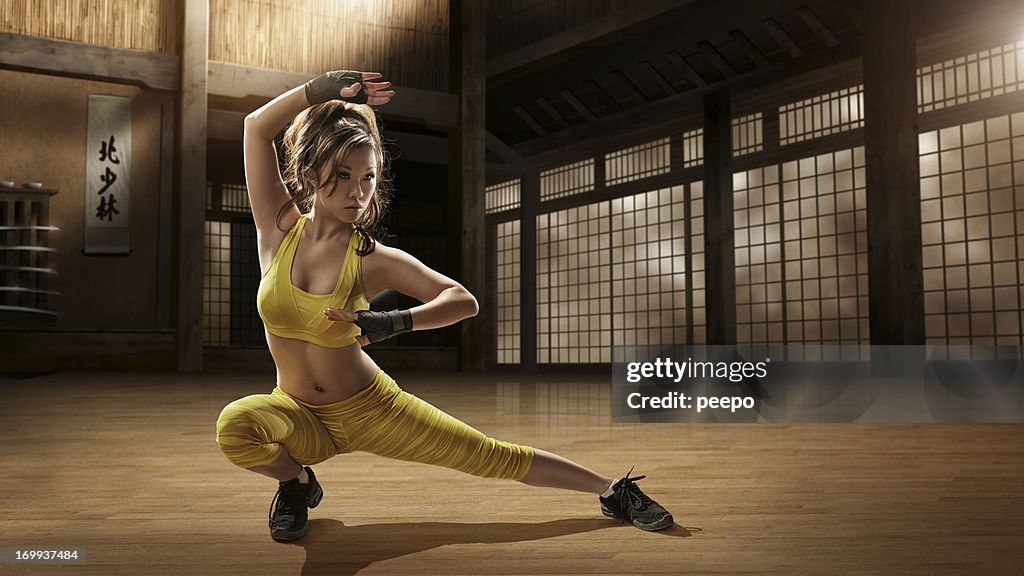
(290, 312)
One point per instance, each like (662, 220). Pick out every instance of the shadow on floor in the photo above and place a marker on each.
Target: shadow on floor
(334, 549)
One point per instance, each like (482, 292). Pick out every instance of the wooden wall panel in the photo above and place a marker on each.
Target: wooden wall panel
(43, 138)
(406, 41)
(135, 24)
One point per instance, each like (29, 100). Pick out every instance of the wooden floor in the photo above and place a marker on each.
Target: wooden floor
(125, 468)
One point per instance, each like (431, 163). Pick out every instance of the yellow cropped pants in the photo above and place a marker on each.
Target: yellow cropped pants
(381, 419)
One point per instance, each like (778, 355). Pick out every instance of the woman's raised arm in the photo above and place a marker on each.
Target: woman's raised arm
(267, 192)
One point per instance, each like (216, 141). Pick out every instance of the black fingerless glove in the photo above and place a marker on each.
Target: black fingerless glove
(327, 87)
(379, 326)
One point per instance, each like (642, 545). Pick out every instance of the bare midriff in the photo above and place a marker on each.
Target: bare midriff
(318, 375)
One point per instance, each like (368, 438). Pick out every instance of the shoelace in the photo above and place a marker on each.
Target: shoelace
(631, 495)
(286, 500)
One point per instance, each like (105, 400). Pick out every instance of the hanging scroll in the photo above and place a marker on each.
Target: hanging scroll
(107, 175)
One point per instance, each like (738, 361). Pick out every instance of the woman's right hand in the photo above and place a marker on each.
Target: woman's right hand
(350, 86)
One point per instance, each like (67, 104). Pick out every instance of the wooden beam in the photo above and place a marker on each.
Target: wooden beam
(238, 81)
(191, 178)
(160, 72)
(684, 67)
(228, 125)
(657, 78)
(506, 171)
(603, 93)
(620, 104)
(595, 31)
(550, 111)
(782, 38)
(426, 107)
(529, 120)
(631, 87)
(748, 48)
(506, 153)
(716, 59)
(78, 60)
(578, 105)
(817, 26)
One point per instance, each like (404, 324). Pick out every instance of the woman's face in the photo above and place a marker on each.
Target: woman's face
(347, 193)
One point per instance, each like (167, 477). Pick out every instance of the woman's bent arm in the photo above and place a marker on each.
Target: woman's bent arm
(452, 305)
(445, 301)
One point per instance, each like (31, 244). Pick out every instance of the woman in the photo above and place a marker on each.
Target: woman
(320, 269)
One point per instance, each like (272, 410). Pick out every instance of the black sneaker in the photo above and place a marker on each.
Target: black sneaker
(629, 502)
(288, 510)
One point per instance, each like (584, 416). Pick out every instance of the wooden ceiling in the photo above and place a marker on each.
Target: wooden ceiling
(607, 72)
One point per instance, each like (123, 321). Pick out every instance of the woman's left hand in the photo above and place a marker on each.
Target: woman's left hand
(346, 316)
(349, 85)
(376, 326)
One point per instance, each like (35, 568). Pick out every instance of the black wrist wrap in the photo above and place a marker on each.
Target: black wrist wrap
(327, 86)
(379, 326)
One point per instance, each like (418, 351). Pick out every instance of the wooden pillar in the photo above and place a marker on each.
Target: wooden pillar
(165, 223)
(893, 185)
(191, 183)
(466, 171)
(719, 234)
(529, 198)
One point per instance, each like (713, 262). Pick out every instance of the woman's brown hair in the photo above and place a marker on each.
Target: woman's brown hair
(323, 134)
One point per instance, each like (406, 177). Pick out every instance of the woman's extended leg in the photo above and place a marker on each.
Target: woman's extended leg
(387, 421)
(393, 423)
(553, 471)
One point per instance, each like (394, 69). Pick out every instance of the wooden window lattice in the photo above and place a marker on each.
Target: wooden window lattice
(507, 276)
(972, 231)
(822, 115)
(502, 196)
(567, 180)
(975, 76)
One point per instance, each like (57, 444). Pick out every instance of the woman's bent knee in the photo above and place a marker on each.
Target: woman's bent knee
(243, 436)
